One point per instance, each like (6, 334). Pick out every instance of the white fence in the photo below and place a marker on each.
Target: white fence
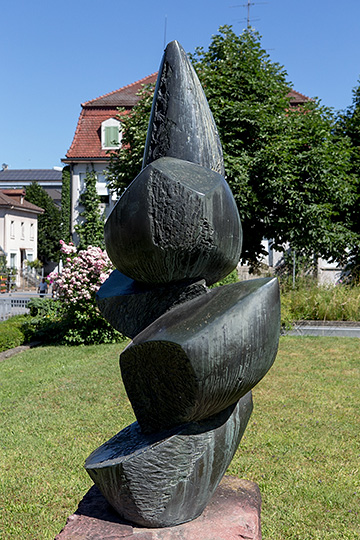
(11, 306)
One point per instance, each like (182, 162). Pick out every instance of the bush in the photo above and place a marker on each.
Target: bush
(77, 319)
(11, 333)
(233, 277)
(45, 315)
(43, 307)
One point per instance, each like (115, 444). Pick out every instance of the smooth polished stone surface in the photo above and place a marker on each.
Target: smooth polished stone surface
(233, 513)
(202, 356)
(167, 478)
(176, 221)
(181, 123)
(130, 306)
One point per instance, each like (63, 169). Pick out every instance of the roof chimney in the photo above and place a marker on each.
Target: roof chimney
(5, 166)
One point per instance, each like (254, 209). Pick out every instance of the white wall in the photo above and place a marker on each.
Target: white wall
(78, 174)
(18, 234)
(328, 272)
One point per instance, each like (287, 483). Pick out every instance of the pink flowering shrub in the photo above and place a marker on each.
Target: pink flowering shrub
(79, 320)
(82, 275)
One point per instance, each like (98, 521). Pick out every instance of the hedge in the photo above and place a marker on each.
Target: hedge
(11, 334)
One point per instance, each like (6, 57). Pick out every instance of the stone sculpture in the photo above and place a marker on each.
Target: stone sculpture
(196, 353)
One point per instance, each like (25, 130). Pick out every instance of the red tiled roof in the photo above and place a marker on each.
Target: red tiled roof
(87, 139)
(296, 98)
(124, 97)
(17, 193)
(14, 202)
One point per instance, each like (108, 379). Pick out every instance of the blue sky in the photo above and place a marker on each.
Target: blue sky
(57, 55)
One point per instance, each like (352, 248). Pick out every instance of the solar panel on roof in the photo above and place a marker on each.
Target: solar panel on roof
(32, 175)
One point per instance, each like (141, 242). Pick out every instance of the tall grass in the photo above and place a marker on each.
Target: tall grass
(310, 301)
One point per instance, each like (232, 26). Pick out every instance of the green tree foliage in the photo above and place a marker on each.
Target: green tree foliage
(348, 125)
(65, 205)
(49, 223)
(125, 163)
(287, 170)
(91, 230)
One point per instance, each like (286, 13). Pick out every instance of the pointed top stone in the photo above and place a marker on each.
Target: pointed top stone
(181, 123)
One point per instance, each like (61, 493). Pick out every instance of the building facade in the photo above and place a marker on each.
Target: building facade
(97, 133)
(18, 230)
(49, 179)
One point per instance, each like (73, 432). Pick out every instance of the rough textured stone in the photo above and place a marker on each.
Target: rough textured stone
(189, 373)
(232, 514)
(167, 478)
(181, 124)
(176, 221)
(130, 306)
(202, 356)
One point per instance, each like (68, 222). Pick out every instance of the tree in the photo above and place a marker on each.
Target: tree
(91, 229)
(288, 172)
(65, 205)
(348, 125)
(49, 223)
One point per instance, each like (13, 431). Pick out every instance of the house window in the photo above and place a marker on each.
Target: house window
(12, 229)
(110, 134)
(12, 260)
(32, 231)
(22, 230)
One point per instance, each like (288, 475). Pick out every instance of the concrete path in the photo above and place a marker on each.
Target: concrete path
(16, 350)
(326, 328)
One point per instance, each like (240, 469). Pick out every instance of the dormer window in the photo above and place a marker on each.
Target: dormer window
(110, 134)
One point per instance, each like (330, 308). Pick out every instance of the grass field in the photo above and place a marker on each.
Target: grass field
(301, 446)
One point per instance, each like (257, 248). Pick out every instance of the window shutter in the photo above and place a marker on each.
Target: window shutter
(111, 136)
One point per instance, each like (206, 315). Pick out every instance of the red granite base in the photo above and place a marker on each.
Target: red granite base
(232, 514)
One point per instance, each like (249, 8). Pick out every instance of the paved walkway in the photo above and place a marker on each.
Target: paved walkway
(16, 350)
(326, 328)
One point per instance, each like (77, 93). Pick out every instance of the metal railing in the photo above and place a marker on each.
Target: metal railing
(10, 306)
(29, 278)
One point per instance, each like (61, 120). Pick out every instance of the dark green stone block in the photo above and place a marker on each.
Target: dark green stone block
(130, 306)
(202, 356)
(167, 478)
(181, 123)
(177, 221)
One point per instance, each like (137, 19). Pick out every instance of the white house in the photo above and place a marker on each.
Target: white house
(99, 131)
(18, 229)
(328, 272)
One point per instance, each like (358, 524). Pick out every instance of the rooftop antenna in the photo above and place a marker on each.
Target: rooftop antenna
(248, 5)
(165, 26)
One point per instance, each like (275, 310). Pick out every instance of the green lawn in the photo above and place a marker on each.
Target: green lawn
(301, 446)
